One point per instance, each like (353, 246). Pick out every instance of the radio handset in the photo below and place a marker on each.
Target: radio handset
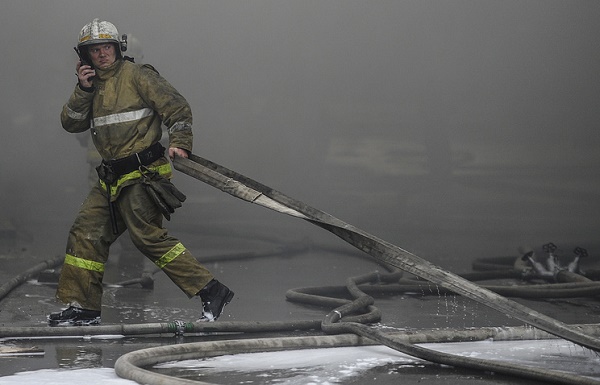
(84, 61)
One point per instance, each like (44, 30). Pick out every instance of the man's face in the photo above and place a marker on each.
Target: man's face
(102, 55)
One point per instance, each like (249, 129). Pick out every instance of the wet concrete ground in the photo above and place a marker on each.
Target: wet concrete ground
(260, 269)
(261, 254)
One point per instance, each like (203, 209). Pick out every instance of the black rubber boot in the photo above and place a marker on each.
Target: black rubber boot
(214, 297)
(74, 316)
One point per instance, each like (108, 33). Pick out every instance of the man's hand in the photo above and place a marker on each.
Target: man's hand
(177, 151)
(85, 73)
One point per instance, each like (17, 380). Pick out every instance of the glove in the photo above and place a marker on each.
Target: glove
(164, 194)
(169, 193)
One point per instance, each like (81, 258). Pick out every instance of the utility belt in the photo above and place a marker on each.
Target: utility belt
(109, 171)
(162, 192)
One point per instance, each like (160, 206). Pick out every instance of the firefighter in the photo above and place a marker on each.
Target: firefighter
(124, 106)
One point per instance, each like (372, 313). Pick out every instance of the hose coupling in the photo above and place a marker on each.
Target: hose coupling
(179, 327)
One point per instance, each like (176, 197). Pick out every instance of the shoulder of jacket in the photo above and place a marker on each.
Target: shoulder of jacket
(135, 67)
(149, 67)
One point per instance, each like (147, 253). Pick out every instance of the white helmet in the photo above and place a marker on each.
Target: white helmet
(98, 32)
(101, 32)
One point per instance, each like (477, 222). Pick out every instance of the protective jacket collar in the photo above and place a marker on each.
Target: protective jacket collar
(107, 73)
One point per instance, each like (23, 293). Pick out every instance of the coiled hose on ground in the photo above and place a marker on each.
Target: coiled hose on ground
(349, 316)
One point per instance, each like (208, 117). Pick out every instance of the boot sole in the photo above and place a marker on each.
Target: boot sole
(91, 322)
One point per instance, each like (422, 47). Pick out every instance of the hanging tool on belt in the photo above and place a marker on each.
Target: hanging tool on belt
(109, 177)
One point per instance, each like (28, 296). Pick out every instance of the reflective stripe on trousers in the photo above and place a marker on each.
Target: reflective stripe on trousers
(84, 263)
(99, 267)
(170, 256)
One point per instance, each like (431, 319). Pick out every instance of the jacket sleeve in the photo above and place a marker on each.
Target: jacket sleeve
(172, 107)
(76, 114)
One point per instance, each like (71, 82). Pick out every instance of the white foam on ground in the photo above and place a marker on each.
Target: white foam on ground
(97, 376)
(330, 366)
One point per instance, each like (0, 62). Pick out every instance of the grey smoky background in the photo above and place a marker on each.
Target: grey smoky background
(454, 129)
